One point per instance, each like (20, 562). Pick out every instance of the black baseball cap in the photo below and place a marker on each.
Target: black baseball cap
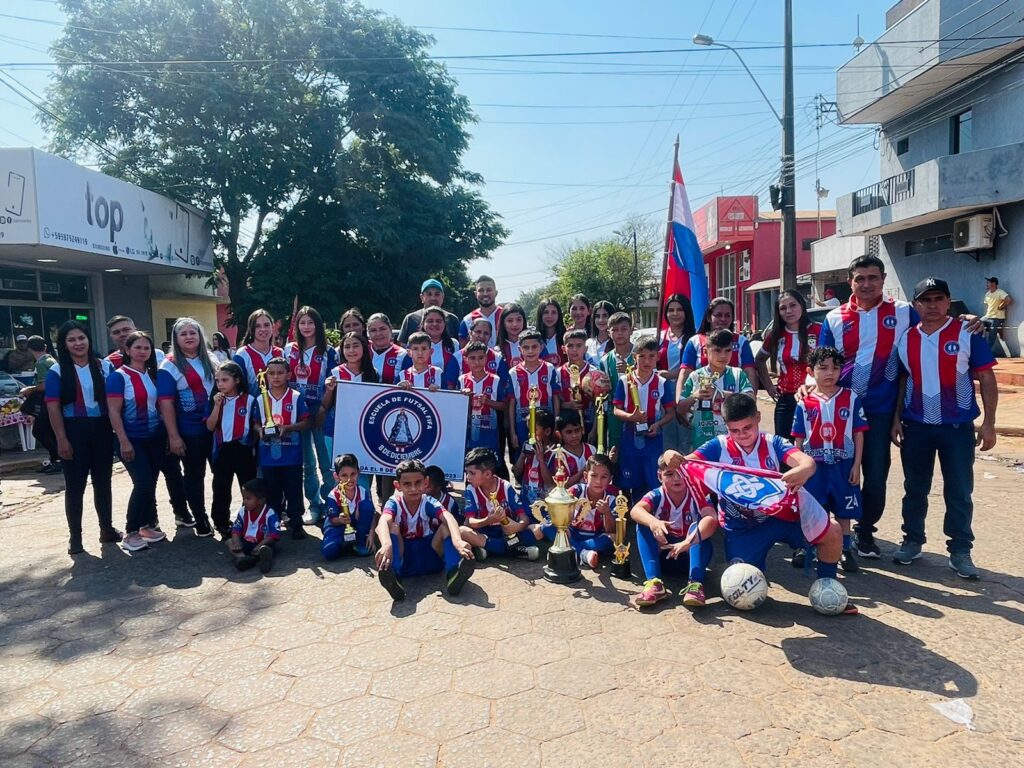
(930, 284)
(993, 280)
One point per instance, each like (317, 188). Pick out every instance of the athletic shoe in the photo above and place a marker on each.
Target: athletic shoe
(52, 468)
(389, 580)
(184, 520)
(480, 553)
(110, 536)
(527, 553)
(133, 542)
(458, 576)
(75, 545)
(151, 535)
(850, 564)
(964, 566)
(266, 558)
(224, 533)
(908, 552)
(799, 558)
(298, 533)
(313, 517)
(654, 592)
(589, 557)
(693, 595)
(245, 562)
(866, 546)
(203, 529)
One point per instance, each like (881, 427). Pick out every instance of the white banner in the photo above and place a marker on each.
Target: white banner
(385, 425)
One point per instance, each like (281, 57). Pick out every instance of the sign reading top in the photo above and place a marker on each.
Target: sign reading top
(51, 201)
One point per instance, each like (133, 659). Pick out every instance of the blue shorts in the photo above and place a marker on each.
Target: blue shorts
(752, 544)
(831, 486)
(418, 558)
(638, 472)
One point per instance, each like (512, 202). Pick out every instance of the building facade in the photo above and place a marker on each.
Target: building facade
(76, 244)
(945, 85)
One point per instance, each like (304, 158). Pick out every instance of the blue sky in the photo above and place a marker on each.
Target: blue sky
(571, 145)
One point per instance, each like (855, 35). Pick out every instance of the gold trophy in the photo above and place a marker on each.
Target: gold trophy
(270, 427)
(562, 566)
(620, 560)
(533, 397)
(512, 540)
(574, 382)
(599, 406)
(349, 534)
(641, 427)
(707, 379)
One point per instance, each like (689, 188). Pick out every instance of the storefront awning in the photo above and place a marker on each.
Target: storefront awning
(773, 284)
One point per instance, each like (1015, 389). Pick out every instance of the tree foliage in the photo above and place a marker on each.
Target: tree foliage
(321, 116)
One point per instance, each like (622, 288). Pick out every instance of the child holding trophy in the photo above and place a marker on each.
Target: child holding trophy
(533, 468)
(231, 417)
(495, 517)
(575, 452)
(350, 512)
(533, 384)
(576, 401)
(704, 390)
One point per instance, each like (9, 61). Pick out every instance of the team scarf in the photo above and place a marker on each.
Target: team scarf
(510, 353)
(387, 363)
(253, 524)
(235, 419)
(762, 492)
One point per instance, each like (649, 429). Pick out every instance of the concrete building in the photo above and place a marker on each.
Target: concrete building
(75, 243)
(945, 85)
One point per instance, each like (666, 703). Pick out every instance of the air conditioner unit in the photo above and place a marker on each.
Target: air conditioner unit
(973, 233)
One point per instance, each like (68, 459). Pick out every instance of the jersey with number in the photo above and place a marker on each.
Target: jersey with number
(828, 425)
(940, 387)
(86, 403)
(417, 522)
(868, 340)
(695, 353)
(791, 358)
(253, 361)
(138, 394)
(189, 390)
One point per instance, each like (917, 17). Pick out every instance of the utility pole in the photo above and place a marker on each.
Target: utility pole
(787, 272)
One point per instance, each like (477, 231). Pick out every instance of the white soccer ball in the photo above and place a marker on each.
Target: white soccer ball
(744, 587)
(828, 596)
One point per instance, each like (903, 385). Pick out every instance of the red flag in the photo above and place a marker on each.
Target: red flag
(292, 324)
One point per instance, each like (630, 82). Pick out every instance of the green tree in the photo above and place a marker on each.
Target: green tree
(290, 111)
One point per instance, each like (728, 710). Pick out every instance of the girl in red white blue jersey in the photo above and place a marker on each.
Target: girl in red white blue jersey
(231, 418)
(257, 347)
(513, 323)
(551, 325)
(443, 352)
(356, 368)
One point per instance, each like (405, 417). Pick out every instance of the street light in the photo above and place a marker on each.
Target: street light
(707, 40)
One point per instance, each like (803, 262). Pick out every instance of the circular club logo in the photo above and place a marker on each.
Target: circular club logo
(889, 322)
(398, 426)
(828, 432)
(844, 413)
(951, 347)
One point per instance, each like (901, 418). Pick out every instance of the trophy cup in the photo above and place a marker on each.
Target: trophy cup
(270, 427)
(574, 382)
(533, 396)
(599, 406)
(512, 540)
(641, 427)
(707, 379)
(349, 534)
(620, 560)
(562, 566)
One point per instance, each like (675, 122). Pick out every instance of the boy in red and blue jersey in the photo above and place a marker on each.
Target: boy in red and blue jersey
(829, 426)
(256, 529)
(532, 373)
(418, 536)
(348, 505)
(494, 363)
(575, 402)
(495, 517)
(941, 358)
(419, 372)
(488, 398)
(641, 443)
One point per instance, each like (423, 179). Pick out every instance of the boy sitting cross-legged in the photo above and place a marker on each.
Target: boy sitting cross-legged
(496, 520)
(418, 536)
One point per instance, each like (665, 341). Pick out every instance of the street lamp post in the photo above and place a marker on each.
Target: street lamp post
(787, 267)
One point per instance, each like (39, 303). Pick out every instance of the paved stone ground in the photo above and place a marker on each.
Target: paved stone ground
(171, 658)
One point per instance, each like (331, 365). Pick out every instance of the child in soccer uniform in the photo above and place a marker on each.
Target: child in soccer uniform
(418, 536)
(829, 426)
(348, 506)
(614, 362)
(437, 488)
(388, 357)
(672, 520)
(513, 323)
(231, 418)
(534, 467)
(695, 353)
(256, 529)
(641, 438)
(592, 526)
(575, 452)
(496, 518)
(532, 373)
(751, 532)
(419, 372)
(280, 455)
(488, 398)
(704, 390)
(574, 400)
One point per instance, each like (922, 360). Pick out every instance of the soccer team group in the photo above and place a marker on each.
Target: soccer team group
(575, 401)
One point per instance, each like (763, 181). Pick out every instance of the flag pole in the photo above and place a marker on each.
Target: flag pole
(668, 240)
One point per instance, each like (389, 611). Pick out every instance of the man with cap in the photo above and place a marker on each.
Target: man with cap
(20, 359)
(935, 416)
(431, 295)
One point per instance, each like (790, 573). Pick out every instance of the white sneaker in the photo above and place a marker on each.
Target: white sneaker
(151, 535)
(589, 557)
(133, 542)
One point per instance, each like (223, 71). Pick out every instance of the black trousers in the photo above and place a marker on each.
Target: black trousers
(234, 461)
(191, 487)
(42, 431)
(92, 446)
(285, 492)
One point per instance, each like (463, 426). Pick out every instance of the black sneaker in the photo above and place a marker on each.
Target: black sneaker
(849, 562)
(245, 562)
(110, 536)
(75, 545)
(52, 468)
(298, 533)
(799, 558)
(866, 546)
(266, 558)
(203, 529)
(458, 576)
(184, 520)
(389, 580)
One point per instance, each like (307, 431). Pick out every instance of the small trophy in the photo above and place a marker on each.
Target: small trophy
(707, 379)
(512, 540)
(574, 383)
(599, 406)
(641, 427)
(270, 427)
(349, 534)
(620, 560)
(533, 397)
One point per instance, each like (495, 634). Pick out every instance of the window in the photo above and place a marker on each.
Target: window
(725, 277)
(903, 146)
(928, 245)
(961, 133)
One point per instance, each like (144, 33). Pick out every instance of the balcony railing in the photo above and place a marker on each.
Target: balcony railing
(885, 192)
